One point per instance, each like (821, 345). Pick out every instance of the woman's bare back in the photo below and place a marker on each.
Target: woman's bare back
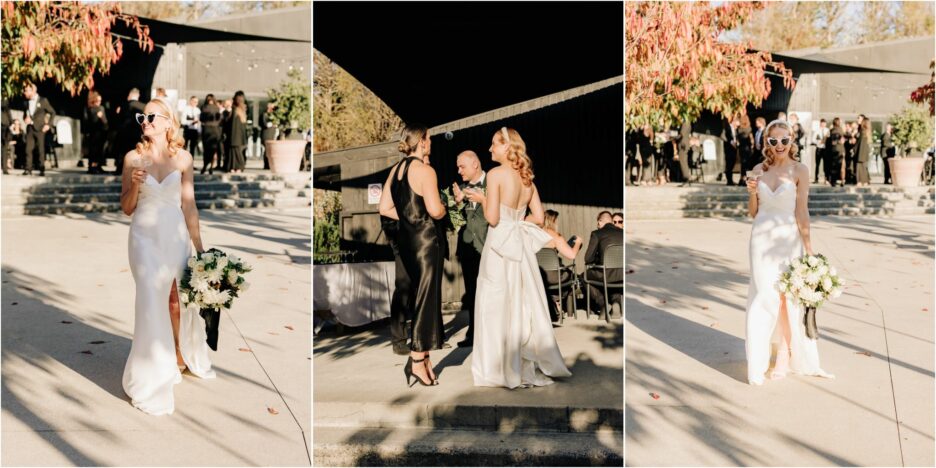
(513, 193)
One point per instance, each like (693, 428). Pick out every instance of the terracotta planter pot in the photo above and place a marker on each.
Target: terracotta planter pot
(906, 171)
(285, 155)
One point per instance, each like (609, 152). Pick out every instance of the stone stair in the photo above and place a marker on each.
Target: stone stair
(81, 193)
(703, 201)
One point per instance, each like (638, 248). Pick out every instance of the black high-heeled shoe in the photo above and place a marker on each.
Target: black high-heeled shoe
(408, 372)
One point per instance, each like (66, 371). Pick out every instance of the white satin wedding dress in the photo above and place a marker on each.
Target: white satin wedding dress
(514, 343)
(159, 247)
(775, 241)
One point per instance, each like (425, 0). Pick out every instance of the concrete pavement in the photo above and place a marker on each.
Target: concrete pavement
(687, 400)
(364, 414)
(67, 319)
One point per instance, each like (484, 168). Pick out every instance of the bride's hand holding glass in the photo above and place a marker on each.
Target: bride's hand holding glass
(752, 179)
(139, 164)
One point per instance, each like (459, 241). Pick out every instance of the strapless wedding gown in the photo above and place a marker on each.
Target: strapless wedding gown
(775, 241)
(159, 247)
(514, 343)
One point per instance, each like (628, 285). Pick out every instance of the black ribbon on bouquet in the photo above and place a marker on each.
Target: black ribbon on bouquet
(212, 320)
(809, 319)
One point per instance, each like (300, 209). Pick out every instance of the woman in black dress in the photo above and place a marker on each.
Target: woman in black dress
(237, 136)
(94, 130)
(836, 148)
(411, 196)
(745, 138)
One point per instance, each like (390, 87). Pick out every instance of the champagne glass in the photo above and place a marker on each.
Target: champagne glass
(755, 174)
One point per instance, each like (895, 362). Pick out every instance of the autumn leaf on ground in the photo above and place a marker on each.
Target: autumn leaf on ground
(273, 333)
(714, 325)
(865, 353)
(97, 342)
(925, 309)
(272, 411)
(704, 307)
(15, 303)
(662, 301)
(675, 267)
(86, 352)
(124, 270)
(658, 271)
(27, 288)
(630, 271)
(654, 396)
(65, 321)
(246, 350)
(289, 327)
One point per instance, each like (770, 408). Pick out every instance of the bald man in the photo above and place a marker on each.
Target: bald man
(472, 235)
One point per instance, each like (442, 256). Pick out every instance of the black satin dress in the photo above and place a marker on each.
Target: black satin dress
(420, 250)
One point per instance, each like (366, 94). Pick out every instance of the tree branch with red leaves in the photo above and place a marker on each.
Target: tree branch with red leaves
(64, 41)
(677, 67)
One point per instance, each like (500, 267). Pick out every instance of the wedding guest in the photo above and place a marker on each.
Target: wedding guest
(411, 196)
(236, 142)
(617, 218)
(18, 142)
(730, 144)
(863, 154)
(782, 116)
(836, 147)
(851, 141)
(7, 138)
(267, 130)
(745, 147)
(606, 235)
(472, 235)
(210, 118)
(647, 155)
(564, 248)
(684, 146)
(670, 155)
(224, 162)
(39, 116)
(819, 141)
(129, 132)
(758, 154)
(888, 151)
(94, 132)
(191, 125)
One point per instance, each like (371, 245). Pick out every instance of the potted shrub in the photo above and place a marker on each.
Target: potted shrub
(913, 132)
(292, 115)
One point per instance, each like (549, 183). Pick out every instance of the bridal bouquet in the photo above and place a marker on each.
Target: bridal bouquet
(455, 209)
(211, 282)
(811, 280)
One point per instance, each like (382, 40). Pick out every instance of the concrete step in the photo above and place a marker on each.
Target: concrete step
(207, 204)
(55, 188)
(426, 447)
(114, 197)
(814, 205)
(742, 212)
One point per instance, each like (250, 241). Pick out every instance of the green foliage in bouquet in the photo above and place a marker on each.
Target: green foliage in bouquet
(213, 279)
(455, 210)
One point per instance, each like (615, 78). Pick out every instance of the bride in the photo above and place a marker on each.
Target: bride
(778, 203)
(161, 200)
(514, 344)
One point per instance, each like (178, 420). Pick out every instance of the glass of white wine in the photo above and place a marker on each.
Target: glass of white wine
(141, 162)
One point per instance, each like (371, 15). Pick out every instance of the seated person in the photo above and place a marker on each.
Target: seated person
(561, 245)
(606, 235)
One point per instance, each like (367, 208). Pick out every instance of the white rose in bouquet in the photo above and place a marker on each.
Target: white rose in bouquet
(812, 261)
(232, 276)
(200, 284)
(797, 282)
(812, 278)
(836, 293)
(823, 269)
(198, 268)
(222, 262)
(832, 271)
(208, 257)
(214, 276)
(191, 262)
(827, 284)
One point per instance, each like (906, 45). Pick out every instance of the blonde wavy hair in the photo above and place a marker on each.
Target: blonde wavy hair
(516, 154)
(769, 157)
(174, 138)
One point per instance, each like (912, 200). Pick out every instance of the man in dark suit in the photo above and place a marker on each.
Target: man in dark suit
(603, 237)
(7, 135)
(730, 145)
(211, 134)
(39, 116)
(888, 151)
(129, 132)
(472, 235)
(760, 123)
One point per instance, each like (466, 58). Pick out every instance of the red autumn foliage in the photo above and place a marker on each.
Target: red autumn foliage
(64, 41)
(677, 66)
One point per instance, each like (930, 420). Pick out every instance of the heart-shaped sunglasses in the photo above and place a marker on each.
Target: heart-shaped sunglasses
(783, 141)
(140, 118)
